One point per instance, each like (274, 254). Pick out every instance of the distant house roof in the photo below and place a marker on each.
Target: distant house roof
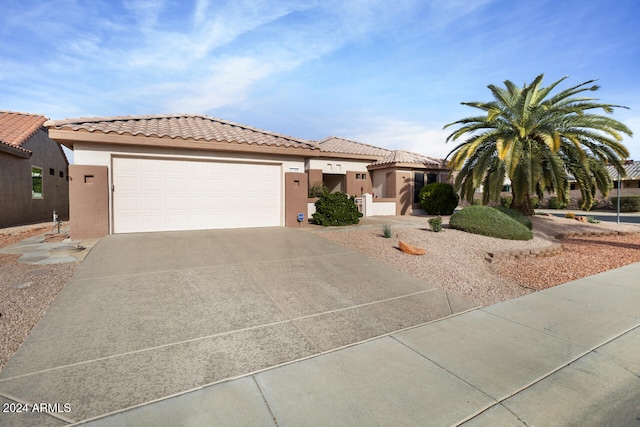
(401, 156)
(336, 144)
(632, 168)
(183, 127)
(16, 129)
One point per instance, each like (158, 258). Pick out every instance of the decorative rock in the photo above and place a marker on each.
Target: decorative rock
(410, 249)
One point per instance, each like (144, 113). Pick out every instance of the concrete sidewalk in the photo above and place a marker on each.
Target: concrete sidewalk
(568, 355)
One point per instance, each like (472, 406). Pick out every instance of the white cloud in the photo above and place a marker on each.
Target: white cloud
(405, 135)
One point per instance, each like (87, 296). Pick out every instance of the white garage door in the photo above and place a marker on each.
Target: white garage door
(166, 195)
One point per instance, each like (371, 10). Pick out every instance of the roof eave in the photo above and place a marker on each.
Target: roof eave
(69, 137)
(15, 151)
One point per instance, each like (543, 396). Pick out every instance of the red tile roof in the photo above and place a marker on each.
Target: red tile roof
(181, 126)
(17, 128)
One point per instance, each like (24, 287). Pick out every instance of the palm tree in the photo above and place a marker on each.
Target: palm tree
(537, 139)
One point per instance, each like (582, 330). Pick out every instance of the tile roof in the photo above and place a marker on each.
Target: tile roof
(401, 156)
(181, 126)
(336, 144)
(632, 168)
(17, 128)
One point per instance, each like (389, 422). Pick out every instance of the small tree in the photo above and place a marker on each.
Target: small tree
(438, 198)
(336, 209)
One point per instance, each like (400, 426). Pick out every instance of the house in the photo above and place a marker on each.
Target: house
(630, 184)
(33, 171)
(188, 172)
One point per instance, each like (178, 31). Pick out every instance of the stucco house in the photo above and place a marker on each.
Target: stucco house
(33, 171)
(187, 172)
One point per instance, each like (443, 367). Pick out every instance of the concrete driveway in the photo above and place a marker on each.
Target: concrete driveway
(152, 315)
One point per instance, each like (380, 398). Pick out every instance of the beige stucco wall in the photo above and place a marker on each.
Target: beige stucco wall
(337, 166)
(16, 203)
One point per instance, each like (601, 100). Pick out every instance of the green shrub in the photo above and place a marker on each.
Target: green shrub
(555, 203)
(477, 202)
(489, 221)
(436, 223)
(438, 198)
(592, 220)
(535, 203)
(336, 209)
(518, 216)
(627, 203)
(386, 231)
(505, 202)
(570, 215)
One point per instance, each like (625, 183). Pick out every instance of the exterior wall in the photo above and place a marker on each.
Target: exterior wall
(338, 166)
(295, 199)
(17, 206)
(404, 192)
(89, 201)
(357, 185)
(101, 155)
(315, 176)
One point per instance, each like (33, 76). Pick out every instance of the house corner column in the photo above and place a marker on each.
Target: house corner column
(295, 198)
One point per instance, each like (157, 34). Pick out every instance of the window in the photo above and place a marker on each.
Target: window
(418, 183)
(52, 171)
(36, 182)
(61, 174)
(432, 177)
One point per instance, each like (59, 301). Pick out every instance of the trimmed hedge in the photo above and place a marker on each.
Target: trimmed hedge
(438, 198)
(518, 216)
(489, 221)
(627, 203)
(336, 209)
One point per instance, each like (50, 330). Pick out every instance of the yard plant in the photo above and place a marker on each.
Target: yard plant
(438, 198)
(518, 216)
(627, 203)
(536, 139)
(336, 209)
(436, 224)
(490, 222)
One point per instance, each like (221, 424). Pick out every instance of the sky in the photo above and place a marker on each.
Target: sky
(386, 73)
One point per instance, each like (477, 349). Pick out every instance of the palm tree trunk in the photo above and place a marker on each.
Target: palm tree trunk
(526, 207)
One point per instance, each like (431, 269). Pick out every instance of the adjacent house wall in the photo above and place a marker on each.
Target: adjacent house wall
(17, 204)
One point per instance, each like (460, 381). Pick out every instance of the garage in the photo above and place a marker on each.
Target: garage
(159, 194)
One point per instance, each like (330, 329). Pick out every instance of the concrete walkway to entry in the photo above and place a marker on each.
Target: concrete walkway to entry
(149, 316)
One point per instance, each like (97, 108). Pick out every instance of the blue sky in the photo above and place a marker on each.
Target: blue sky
(386, 73)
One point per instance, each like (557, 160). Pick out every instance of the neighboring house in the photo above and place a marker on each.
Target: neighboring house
(188, 172)
(33, 171)
(630, 184)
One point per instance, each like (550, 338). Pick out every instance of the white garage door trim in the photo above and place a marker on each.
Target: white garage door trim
(169, 194)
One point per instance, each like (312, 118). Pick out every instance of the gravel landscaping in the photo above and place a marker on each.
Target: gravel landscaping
(455, 261)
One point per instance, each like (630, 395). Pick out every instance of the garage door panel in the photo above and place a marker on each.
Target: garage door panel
(163, 195)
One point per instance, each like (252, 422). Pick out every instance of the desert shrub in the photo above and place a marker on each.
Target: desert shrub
(438, 198)
(489, 221)
(477, 202)
(518, 216)
(570, 215)
(555, 203)
(505, 202)
(436, 223)
(386, 231)
(592, 220)
(336, 209)
(627, 203)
